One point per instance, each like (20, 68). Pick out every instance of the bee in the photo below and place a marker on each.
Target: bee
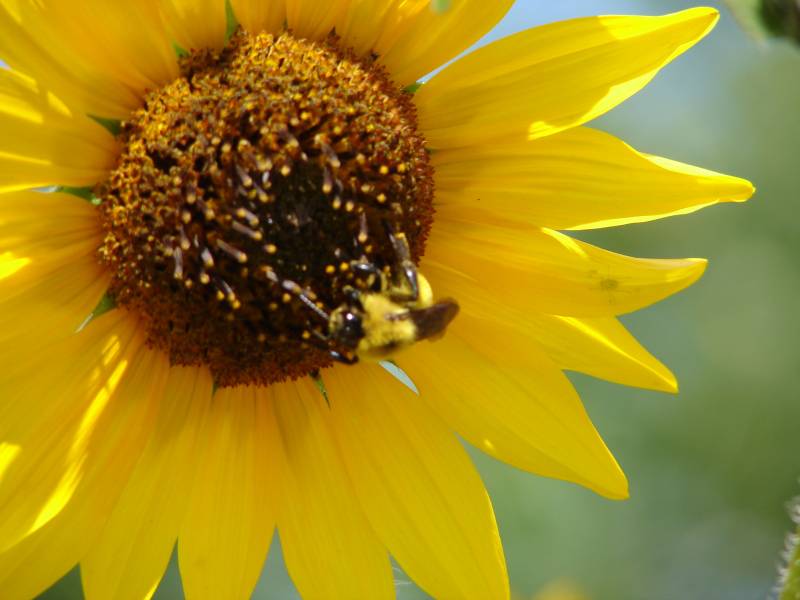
(389, 315)
(375, 325)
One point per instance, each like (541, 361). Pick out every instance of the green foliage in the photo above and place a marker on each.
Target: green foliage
(790, 577)
(782, 17)
(768, 17)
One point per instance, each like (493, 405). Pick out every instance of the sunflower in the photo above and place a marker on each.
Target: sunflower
(252, 196)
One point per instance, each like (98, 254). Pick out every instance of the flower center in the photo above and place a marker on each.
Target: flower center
(254, 195)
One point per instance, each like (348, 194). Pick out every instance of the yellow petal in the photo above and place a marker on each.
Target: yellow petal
(42, 313)
(577, 179)
(554, 77)
(260, 15)
(106, 73)
(196, 24)
(418, 488)
(373, 25)
(54, 285)
(52, 438)
(130, 557)
(546, 271)
(313, 19)
(51, 417)
(43, 143)
(50, 280)
(128, 43)
(329, 548)
(599, 347)
(227, 530)
(411, 38)
(118, 428)
(511, 401)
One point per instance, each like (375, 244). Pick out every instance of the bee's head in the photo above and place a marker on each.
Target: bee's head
(346, 326)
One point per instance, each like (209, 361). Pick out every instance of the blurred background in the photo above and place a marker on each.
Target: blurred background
(712, 469)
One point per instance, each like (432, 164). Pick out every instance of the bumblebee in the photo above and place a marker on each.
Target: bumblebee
(381, 317)
(375, 325)
(391, 315)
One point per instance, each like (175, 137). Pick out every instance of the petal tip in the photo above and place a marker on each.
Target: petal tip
(733, 189)
(614, 484)
(670, 383)
(695, 269)
(700, 13)
(746, 190)
(698, 21)
(664, 380)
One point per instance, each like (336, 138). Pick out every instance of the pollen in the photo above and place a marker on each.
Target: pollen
(245, 191)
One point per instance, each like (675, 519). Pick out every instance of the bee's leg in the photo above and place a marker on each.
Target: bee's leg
(407, 266)
(352, 295)
(293, 288)
(314, 308)
(369, 270)
(324, 343)
(347, 359)
(302, 295)
(363, 267)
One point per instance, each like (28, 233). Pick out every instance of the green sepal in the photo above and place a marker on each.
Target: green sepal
(413, 88)
(316, 377)
(107, 304)
(114, 126)
(85, 193)
(214, 388)
(179, 50)
(441, 6)
(232, 22)
(395, 371)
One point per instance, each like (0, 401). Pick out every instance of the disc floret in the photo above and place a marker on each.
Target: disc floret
(247, 191)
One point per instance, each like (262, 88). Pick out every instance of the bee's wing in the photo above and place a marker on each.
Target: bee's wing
(431, 322)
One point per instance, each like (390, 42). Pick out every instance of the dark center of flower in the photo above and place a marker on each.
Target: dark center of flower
(247, 194)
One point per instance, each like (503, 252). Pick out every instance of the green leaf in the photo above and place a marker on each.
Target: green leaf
(394, 369)
(106, 304)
